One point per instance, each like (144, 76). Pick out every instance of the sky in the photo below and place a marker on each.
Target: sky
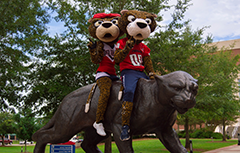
(221, 16)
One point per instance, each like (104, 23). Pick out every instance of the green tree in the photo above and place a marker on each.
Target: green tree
(22, 33)
(6, 124)
(25, 125)
(218, 96)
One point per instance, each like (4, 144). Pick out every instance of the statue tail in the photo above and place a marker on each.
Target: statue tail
(87, 106)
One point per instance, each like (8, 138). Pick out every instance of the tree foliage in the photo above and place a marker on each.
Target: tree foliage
(22, 33)
(218, 96)
(25, 124)
(6, 124)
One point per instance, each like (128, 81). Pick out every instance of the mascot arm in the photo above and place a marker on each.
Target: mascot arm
(96, 51)
(148, 66)
(121, 54)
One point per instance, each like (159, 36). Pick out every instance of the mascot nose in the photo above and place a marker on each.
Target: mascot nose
(106, 25)
(141, 25)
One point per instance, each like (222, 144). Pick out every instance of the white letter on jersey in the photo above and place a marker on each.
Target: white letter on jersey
(136, 60)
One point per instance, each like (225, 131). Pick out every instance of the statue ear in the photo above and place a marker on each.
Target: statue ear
(160, 81)
(158, 78)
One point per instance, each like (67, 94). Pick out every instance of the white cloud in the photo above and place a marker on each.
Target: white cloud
(222, 16)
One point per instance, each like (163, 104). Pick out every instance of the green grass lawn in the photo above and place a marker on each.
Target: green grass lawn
(141, 146)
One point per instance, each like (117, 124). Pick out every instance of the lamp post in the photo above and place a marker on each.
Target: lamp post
(238, 139)
(191, 146)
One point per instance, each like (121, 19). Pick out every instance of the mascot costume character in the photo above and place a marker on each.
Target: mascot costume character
(133, 57)
(103, 27)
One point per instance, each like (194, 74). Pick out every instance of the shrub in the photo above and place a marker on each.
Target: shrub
(182, 134)
(201, 133)
(217, 136)
(207, 134)
(197, 134)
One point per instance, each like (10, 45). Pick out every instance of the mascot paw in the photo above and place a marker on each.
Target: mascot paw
(152, 77)
(92, 44)
(100, 46)
(130, 42)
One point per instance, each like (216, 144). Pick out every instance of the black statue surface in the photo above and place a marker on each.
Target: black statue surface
(156, 104)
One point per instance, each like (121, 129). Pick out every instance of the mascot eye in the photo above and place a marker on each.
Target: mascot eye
(131, 18)
(149, 21)
(115, 21)
(98, 23)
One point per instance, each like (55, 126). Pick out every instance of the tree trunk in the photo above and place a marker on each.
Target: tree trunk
(187, 145)
(224, 135)
(108, 145)
(25, 146)
(3, 144)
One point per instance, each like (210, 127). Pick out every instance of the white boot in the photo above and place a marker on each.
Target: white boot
(100, 129)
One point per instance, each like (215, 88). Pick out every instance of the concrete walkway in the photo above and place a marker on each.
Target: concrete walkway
(229, 149)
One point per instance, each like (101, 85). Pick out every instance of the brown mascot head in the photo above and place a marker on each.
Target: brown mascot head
(105, 27)
(138, 24)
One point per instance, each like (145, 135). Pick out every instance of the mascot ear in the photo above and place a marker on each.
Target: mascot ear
(154, 15)
(123, 11)
(90, 20)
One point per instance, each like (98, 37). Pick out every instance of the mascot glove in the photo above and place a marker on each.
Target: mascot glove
(130, 42)
(92, 45)
(151, 75)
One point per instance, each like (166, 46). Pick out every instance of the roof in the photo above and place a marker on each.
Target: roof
(230, 44)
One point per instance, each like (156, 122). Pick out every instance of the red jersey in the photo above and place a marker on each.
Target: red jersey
(134, 58)
(107, 63)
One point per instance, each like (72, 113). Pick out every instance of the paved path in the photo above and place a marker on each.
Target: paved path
(229, 149)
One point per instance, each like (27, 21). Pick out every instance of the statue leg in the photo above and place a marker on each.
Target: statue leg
(170, 140)
(123, 146)
(104, 84)
(47, 134)
(91, 139)
(39, 147)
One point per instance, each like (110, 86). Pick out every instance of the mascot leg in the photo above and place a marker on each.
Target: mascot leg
(126, 115)
(104, 84)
